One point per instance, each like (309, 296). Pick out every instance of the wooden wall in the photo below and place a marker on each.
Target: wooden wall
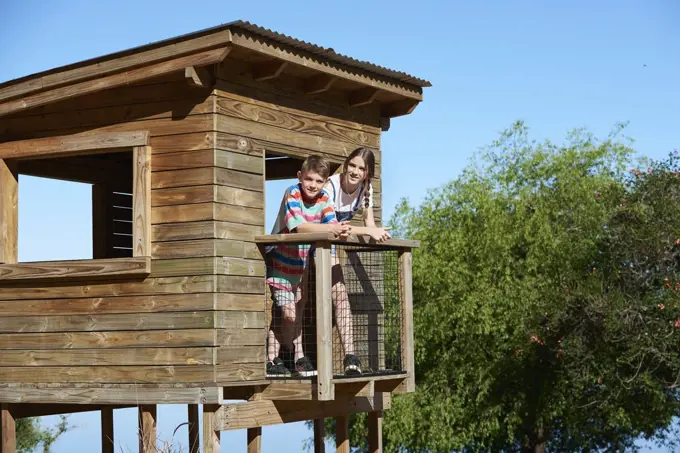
(199, 317)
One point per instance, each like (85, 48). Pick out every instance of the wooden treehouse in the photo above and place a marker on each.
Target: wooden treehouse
(177, 139)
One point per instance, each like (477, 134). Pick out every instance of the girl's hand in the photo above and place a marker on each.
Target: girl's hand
(379, 234)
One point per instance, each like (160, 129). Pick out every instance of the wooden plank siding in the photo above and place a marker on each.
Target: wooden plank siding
(199, 317)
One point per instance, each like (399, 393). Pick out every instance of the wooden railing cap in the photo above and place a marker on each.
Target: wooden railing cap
(305, 238)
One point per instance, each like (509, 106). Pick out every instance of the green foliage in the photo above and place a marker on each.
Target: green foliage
(31, 435)
(546, 297)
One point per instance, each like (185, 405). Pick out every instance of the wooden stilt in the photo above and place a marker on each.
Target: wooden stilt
(194, 441)
(375, 432)
(147, 428)
(319, 434)
(8, 439)
(107, 429)
(342, 434)
(254, 440)
(211, 438)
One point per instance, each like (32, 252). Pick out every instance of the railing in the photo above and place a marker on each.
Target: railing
(363, 307)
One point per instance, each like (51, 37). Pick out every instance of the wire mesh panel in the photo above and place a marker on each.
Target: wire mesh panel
(367, 315)
(291, 297)
(367, 311)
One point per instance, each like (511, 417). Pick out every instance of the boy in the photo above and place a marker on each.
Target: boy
(305, 208)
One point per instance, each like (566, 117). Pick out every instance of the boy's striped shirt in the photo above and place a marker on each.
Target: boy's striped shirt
(286, 262)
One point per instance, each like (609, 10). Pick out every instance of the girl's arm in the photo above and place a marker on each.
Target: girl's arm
(370, 229)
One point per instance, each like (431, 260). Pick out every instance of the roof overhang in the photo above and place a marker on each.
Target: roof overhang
(190, 53)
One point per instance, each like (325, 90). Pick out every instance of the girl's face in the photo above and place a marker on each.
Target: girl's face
(356, 171)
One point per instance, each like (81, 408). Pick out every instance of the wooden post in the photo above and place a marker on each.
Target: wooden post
(8, 439)
(147, 428)
(102, 221)
(211, 438)
(324, 323)
(194, 439)
(255, 440)
(375, 432)
(319, 435)
(407, 358)
(141, 207)
(107, 430)
(9, 223)
(342, 434)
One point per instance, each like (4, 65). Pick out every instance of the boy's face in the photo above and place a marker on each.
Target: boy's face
(312, 183)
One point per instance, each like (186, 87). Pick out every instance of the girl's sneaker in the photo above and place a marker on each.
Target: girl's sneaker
(352, 364)
(304, 368)
(276, 368)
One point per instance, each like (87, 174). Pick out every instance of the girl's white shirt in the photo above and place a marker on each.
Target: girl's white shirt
(344, 202)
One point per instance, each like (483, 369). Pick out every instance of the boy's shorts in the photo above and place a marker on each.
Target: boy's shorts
(282, 297)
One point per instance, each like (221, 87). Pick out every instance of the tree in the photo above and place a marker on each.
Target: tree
(546, 302)
(31, 435)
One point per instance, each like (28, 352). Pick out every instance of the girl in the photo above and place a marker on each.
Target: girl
(349, 191)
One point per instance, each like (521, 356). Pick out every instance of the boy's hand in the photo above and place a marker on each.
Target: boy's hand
(380, 234)
(341, 229)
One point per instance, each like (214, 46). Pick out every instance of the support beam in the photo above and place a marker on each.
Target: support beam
(375, 432)
(384, 124)
(211, 431)
(147, 429)
(9, 221)
(398, 108)
(318, 83)
(319, 435)
(362, 96)
(324, 324)
(264, 413)
(108, 443)
(141, 209)
(73, 145)
(8, 437)
(255, 440)
(199, 77)
(268, 70)
(194, 439)
(342, 434)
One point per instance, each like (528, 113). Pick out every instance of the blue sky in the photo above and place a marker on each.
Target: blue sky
(556, 65)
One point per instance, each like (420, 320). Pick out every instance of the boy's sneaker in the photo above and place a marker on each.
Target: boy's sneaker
(276, 368)
(352, 364)
(304, 368)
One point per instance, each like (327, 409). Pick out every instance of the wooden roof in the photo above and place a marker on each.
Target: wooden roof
(400, 92)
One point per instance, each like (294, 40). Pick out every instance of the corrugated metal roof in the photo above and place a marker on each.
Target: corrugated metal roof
(326, 53)
(329, 54)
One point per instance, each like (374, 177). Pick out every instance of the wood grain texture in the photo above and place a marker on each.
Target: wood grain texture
(147, 429)
(150, 286)
(205, 230)
(266, 412)
(111, 322)
(8, 438)
(78, 269)
(111, 81)
(211, 434)
(89, 340)
(106, 305)
(207, 194)
(301, 238)
(106, 394)
(72, 145)
(109, 65)
(205, 247)
(108, 357)
(324, 324)
(207, 211)
(247, 110)
(141, 208)
(9, 214)
(117, 374)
